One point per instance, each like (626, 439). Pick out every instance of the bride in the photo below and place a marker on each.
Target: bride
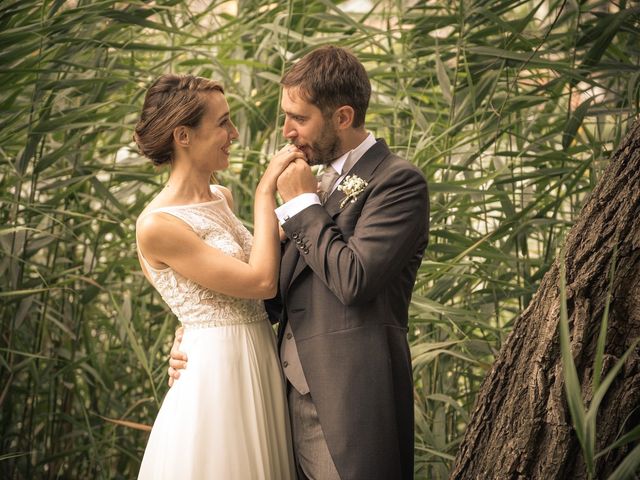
(227, 417)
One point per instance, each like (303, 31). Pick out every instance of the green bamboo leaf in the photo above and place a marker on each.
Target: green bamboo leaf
(8, 230)
(124, 317)
(270, 77)
(629, 466)
(633, 89)
(427, 347)
(602, 336)
(450, 187)
(140, 17)
(28, 153)
(28, 355)
(436, 453)
(573, 390)
(427, 357)
(49, 159)
(27, 291)
(443, 78)
(516, 27)
(449, 401)
(439, 428)
(631, 436)
(105, 194)
(19, 51)
(607, 28)
(421, 304)
(10, 455)
(599, 394)
(528, 58)
(10, 8)
(574, 122)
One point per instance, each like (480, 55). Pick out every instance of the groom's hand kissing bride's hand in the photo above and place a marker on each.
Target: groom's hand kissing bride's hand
(278, 163)
(296, 179)
(178, 359)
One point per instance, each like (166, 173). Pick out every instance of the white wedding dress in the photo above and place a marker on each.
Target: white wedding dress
(226, 416)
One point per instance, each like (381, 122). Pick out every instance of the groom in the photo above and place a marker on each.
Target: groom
(349, 264)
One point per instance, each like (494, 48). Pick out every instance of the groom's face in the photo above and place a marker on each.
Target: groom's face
(308, 129)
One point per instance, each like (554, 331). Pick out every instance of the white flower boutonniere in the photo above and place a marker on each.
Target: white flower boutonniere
(351, 186)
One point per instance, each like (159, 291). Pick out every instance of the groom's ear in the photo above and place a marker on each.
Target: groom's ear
(344, 116)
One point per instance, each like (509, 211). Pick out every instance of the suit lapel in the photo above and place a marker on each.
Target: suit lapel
(364, 168)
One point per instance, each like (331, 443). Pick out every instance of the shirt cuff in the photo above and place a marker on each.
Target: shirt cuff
(294, 206)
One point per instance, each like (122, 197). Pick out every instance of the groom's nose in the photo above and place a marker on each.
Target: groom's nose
(288, 131)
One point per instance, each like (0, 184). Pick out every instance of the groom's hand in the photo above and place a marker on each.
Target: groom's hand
(296, 179)
(178, 359)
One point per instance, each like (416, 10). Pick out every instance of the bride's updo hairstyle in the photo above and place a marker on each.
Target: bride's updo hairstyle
(171, 101)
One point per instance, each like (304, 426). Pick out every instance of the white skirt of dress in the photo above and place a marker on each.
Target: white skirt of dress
(226, 416)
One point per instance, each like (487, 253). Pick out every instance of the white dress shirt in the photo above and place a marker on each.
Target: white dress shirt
(294, 206)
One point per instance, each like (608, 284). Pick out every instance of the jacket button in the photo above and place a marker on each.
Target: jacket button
(295, 236)
(285, 364)
(289, 336)
(306, 250)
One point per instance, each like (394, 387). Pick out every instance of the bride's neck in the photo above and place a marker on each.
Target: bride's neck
(186, 185)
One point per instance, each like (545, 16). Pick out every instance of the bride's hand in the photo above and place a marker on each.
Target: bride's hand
(178, 359)
(278, 163)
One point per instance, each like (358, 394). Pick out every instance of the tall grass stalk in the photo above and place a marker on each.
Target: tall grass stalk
(584, 416)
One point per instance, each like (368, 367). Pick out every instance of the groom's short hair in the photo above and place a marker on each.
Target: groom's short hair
(329, 77)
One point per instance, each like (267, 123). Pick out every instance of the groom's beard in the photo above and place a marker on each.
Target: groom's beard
(326, 149)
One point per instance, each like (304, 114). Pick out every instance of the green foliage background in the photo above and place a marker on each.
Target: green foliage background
(510, 108)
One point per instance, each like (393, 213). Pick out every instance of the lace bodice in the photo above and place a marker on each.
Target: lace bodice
(193, 304)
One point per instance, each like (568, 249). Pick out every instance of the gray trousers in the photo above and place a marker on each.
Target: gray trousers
(313, 460)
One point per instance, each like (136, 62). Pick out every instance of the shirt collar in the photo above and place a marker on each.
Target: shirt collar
(353, 155)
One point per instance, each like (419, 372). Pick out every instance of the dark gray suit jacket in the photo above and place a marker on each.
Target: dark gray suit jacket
(345, 282)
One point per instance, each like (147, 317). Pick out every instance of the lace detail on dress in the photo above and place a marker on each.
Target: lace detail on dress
(193, 304)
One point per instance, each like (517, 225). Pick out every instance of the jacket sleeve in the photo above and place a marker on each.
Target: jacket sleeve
(392, 225)
(274, 306)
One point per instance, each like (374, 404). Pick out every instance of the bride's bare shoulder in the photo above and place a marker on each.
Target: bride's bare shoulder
(160, 234)
(153, 223)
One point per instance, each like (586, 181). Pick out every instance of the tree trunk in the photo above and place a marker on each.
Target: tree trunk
(521, 427)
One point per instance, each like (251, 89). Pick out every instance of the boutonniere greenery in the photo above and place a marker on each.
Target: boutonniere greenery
(351, 186)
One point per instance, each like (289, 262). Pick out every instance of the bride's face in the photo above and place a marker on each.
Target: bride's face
(211, 139)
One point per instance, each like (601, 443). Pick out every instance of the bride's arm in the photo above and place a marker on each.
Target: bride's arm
(163, 239)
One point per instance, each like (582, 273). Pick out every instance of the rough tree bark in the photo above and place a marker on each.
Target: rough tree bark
(521, 426)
